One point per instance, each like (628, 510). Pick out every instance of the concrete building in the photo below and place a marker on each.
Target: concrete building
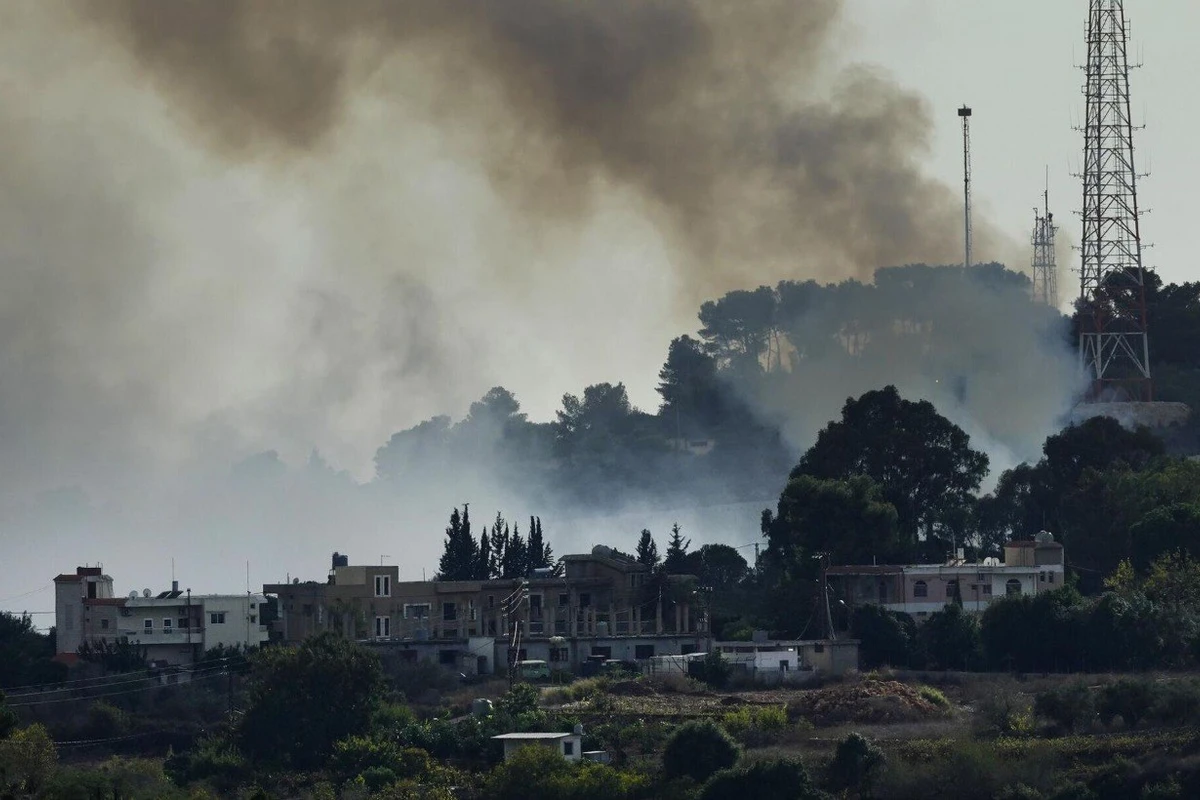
(174, 627)
(568, 745)
(1029, 567)
(594, 604)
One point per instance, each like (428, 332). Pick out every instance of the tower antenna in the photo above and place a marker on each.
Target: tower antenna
(965, 114)
(1114, 341)
(1045, 264)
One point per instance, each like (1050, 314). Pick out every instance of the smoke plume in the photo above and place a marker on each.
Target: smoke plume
(227, 226)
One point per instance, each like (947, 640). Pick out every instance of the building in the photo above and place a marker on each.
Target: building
(1028, 568)
(174, 627)
(595, 604)
(569, 745)
(783, 661)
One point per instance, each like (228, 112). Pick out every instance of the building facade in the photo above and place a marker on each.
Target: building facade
(1029, 568)
(600, 603)
(173, 627)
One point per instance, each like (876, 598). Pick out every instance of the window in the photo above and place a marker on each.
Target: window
(253, 605)
(535, 602)
(103, 624)
(1013, 587)
(1041, 577)
(91, 590)
(606, 652)
(449, 612)
(564, 600)
(447, 657)
(218, 617)
(818, 648)
(184, 622)
(491, 601)
(920, 589)
(1051, 577)
(416, 610)
(253, 618)
(383, 585)
(559, 655)
(383, 627)
(585, 599)
(951, 589)
(167, 625)
(148, 625)
(987, 590)
(568, 748)
(308, 610)
(643, 651)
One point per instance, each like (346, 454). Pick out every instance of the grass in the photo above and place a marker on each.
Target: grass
(935, 696)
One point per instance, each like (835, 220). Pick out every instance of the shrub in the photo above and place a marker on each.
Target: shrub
(934, 696)
(28, 759)
(778, 779)
(1019, 791)
(1129, 698)
(106, 721)
(756, 725)
(697, 749)
(1067, 707)
(856, 764)
(1002, 713)
(540, 773)
(214, 760)
(518, 700)
(714, 670)
(356, 755)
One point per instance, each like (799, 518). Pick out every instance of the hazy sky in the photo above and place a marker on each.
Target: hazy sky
(260, 308)
(1012, 62)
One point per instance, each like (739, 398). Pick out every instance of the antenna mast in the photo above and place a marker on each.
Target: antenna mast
(1114, 342)
(1045, 266)
(965, 114)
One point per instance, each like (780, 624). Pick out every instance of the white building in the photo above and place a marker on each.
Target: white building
(1029, 568)
(568, 745)
(175, 627)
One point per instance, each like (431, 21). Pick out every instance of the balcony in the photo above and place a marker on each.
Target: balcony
(174, 636)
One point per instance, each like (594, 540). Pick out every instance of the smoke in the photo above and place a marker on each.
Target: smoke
(232, 226)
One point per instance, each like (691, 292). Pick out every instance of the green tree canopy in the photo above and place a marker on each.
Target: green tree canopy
(697, 749)
(923, 463)
(302, 700)
(647, 550)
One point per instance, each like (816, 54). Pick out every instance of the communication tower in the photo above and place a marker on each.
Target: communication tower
(1045, 266)
(1114, 343)
(965, 114)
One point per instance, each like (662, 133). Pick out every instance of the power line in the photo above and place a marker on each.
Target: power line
(101, 680)
(25, 594)
(216, 673)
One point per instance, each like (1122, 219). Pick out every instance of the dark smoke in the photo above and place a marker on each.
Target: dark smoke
(723, 114)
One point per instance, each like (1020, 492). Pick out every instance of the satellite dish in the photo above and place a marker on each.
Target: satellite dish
(133, 595)
(145, 592)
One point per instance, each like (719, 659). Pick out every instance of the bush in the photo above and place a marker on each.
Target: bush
(540, 773)
(1129, 698)
(214, 760)
(714, 670)
(106, 721)
(697, 749)
(856, 764)
(934, 696)
(520, 699)
(1001, 713)
(885, 637)
(1068, 707)
(779, 779)
(756, 725)
(27, 759)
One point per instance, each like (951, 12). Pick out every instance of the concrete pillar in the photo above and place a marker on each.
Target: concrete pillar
(658, 624)
(678, 617)
(687, 617)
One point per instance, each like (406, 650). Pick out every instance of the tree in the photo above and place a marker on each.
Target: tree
(697, 749)
(923, 463)
(647, 550)
(27, 760)
(848, 519)
(856, 764)
(951, 638)
(515, 563)
(301, 701)
(8, 718)
(1171, 528)
(540, 553)
(721, 567)
(25, 654)
(767, 779)
(691, 391)
(677, 550)
(739, 329)
(460, 554)
(885, 637)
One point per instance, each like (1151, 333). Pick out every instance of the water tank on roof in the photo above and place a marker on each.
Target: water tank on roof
(602, 550)
(1044, 537)
(340, 560)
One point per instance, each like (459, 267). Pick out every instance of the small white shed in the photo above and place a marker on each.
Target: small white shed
(568, 745)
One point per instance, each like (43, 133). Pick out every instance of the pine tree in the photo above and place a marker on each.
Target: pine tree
(516, 556)
(460, 553)
(647, 550)
(499, 545)
(676, 561)
(540, 555)
(483, 564)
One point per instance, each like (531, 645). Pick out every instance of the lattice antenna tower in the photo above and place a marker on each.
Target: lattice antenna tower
(965, 114)
(1045, 265)
(1114, 341)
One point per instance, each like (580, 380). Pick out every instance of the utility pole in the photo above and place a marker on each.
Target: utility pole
(1114, 339)
(965, 114)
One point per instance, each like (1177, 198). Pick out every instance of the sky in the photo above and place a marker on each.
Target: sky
(1012, 62)
(295, 355)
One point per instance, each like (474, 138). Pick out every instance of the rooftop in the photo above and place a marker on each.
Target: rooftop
(534, 736)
